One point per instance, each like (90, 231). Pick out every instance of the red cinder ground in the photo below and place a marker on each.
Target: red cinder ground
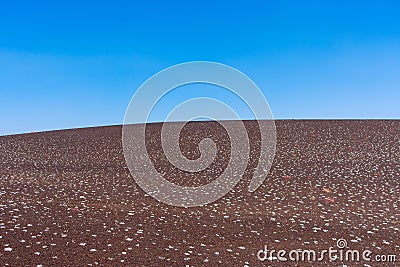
(67, 198)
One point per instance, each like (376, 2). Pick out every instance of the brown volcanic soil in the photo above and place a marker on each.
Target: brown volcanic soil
(67, 198)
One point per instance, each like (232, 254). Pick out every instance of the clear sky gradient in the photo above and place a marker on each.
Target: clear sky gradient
(67, 64)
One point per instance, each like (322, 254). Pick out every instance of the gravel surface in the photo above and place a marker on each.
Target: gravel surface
(67, 198)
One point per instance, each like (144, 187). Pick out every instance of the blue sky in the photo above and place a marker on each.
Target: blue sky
(67, 64)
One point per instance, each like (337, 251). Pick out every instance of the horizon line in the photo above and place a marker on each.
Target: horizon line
(155, 122)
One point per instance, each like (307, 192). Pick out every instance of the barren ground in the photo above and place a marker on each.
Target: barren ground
(67, 199)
